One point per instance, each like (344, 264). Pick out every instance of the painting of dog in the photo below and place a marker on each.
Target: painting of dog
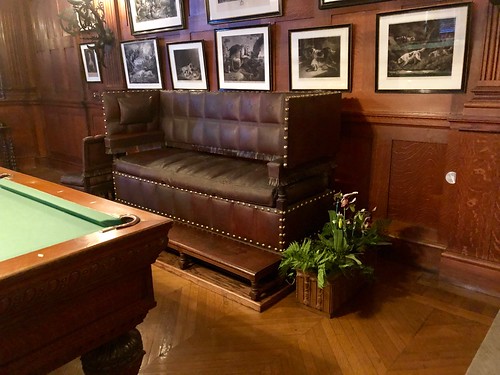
(319, 57)
(423, 48)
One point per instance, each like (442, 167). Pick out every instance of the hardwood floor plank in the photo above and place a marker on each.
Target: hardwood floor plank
(358, 328)
(383, 345)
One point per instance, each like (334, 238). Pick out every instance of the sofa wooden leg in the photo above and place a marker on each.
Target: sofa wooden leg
(255, 291)
(184, 261)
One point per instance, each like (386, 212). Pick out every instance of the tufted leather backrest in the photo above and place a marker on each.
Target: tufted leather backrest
(229, 123)
(292, 128)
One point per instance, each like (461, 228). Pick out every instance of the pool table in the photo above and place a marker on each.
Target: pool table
(75, 277)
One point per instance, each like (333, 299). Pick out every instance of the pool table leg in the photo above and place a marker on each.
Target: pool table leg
(122, 356)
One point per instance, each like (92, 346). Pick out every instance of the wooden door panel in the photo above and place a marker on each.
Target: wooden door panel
(477, 195)
(416, 182)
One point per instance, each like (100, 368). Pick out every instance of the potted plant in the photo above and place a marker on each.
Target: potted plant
(330, 266)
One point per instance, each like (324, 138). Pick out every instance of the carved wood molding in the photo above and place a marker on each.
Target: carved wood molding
(487, 92)
(409, 119)
(75, 276)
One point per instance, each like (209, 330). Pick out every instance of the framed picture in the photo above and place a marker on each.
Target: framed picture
(320, 58)
(90, 63)
(237, 10)
(325, 4)
(149, 16)
(141, 64)
(187, 65)
(422, 50)
(244, 58)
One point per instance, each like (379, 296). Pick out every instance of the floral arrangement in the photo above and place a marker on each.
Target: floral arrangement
(338, 246)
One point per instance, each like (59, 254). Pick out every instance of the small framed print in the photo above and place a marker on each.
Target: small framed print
(237, 10)
(422, 50)
(141, 64)
(244, 58)
(320, 58)
(187, 65)
(325, 4)
(150, 16)
(90, 63)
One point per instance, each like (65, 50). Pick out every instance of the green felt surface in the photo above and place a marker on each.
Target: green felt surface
(31, 220)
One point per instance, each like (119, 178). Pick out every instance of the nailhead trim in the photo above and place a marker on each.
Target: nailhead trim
(282, 228)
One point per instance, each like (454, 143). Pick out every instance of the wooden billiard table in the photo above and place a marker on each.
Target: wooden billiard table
(68, 287)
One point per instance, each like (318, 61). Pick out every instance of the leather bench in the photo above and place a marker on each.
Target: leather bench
(254, 167)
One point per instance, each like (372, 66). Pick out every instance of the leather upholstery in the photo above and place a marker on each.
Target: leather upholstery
(228, 177)
(265, 126)
(266, 227)
(96, 176)
(130, 125)
(135, 110)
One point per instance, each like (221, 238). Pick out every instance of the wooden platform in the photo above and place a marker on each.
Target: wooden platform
(222, 283)
(256, 265)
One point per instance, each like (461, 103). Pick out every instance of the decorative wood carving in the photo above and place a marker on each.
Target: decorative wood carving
(486, 99)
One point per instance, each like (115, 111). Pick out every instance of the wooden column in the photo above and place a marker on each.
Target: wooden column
(472, 257)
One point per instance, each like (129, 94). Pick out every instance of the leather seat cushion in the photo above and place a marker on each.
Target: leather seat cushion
(75, 179)
(222, 176)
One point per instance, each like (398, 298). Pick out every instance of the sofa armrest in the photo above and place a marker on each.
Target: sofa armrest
(121, 143)
(289, 181)
(279, 175)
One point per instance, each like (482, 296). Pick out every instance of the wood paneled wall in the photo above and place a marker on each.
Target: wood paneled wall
(396, 148)
(18, 81)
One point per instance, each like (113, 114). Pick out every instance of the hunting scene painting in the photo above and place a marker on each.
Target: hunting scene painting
(155, 10)
(423, 50)
(244, 58)
(219, 11)
(320, 58)
(187, 65)
(148, 16)
(142, 68)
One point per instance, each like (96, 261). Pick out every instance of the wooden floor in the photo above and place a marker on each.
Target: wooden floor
(407, 322)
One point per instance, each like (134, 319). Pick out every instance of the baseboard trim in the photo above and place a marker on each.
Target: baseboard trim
(470, 273)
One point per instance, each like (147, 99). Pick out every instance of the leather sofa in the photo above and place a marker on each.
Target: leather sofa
(252, 166)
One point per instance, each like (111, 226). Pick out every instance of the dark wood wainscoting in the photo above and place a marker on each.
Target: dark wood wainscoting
(25, 119)
(399, 160)
(65, 127)
(472, 257)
